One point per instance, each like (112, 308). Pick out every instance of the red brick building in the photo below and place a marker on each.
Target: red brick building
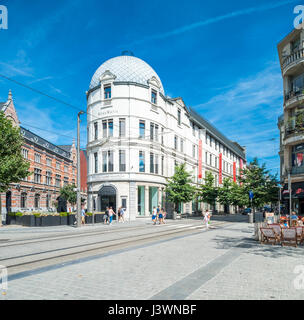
(83, 172)
(52, 167)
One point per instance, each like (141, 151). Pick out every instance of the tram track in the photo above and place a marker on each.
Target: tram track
(29, 261)
(63, 237)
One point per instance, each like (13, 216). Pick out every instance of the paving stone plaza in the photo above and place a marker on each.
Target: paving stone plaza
(223, 262)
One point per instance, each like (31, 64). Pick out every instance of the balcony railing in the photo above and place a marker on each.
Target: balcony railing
(293, 94)
(297, 170)
(294, 130)
(297, 55)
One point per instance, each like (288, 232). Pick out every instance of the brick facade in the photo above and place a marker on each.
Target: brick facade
(51, 166)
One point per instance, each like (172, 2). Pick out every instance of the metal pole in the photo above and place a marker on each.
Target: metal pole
(280, 203)
(290, 200)
(78, 172)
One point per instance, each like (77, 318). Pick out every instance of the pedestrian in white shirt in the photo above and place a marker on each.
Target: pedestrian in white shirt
(207, 219)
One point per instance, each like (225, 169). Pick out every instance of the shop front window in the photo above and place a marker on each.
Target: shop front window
(298, 159)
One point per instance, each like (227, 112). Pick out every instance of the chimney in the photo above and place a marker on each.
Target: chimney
(10, 96)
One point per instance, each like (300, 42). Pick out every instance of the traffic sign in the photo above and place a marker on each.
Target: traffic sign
(250, 194)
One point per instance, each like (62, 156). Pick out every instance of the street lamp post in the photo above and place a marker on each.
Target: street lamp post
(78, 171)
(290, 200)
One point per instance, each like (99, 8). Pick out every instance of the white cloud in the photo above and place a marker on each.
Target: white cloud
(248, 112)
(213, 20)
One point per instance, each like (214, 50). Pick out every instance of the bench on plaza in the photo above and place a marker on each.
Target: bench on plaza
(300, 234)
(289, 237)
(268, 235)
(277, 229)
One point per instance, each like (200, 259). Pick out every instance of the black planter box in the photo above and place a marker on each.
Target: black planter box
(38, 221)
(98, 218)
(50, 221)
(88, 219)
(63, 221)
(19, 220)
(71, 219)
(10, 219)
(28, 221)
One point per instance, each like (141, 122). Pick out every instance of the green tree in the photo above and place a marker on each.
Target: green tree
(258, 179)
(179, 188)
(207, 192)
(13, 167)
(238, 195)
(69, 194)
(272, 189)
(225, 193)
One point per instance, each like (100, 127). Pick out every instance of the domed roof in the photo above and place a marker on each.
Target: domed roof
(126, 68)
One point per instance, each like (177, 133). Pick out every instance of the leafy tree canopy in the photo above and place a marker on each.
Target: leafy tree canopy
(180, 188)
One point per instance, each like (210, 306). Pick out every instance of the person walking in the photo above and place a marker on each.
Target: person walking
(83, 214)
(207, 219)
(164, 216)
(161, 216)
(111, 212)
(106, 216)
(122, 214)
(154, 216)
(118, 213)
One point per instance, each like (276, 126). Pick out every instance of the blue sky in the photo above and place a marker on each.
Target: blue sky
(220, 56)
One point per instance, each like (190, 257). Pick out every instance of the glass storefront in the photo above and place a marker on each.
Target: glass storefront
(141, 200)
(298, 159)
(153, 198)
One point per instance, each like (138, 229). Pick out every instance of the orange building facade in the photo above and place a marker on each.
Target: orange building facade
(51, 168)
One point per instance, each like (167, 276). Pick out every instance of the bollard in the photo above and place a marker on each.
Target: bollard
(250, 218)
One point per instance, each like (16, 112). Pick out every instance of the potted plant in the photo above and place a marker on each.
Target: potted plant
(89, 217)
(38, 219)
(98, 217)
(19, 219)
(50, 219)
(28, 220)
(63, 218)
(71, 218)
(11, 218)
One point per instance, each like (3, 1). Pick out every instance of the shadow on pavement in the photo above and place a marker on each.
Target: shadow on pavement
(255, 248)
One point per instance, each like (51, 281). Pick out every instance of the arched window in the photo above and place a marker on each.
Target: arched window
(48, 200)
(37, 201)
(23, 200)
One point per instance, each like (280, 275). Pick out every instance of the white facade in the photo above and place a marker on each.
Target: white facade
(124, 94)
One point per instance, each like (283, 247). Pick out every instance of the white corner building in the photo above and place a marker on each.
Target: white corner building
(137, 135)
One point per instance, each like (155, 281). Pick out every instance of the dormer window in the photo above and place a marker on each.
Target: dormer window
(179, 117)
(107, 92)
(154, 97)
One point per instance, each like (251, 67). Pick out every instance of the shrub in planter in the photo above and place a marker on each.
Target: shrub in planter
(63, 218)
(38, 219)
(11, 218)
(50, 220)
(98, 218)
(19, 218)
(89, 218)
(28, 220)
(71, 219)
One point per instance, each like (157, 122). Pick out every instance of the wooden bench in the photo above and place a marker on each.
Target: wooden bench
(269, 236)
(289, 237)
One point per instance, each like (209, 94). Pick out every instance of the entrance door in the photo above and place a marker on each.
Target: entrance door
(107, 196)
(301, 208)
(8, 202)
(108, 201)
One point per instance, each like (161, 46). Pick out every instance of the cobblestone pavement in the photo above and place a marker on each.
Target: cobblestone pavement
(221, 263)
